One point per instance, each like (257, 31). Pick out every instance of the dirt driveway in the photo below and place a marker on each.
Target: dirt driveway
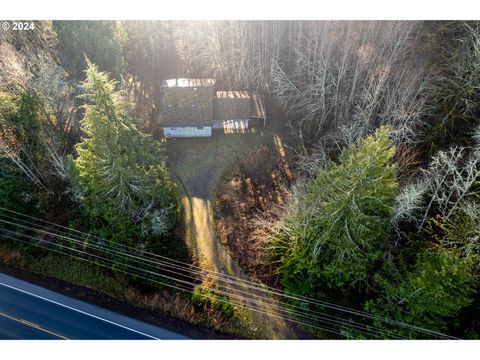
(198, 164)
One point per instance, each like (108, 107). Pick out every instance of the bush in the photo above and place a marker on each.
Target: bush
(201, 295)
(460, 233)
(16, 192)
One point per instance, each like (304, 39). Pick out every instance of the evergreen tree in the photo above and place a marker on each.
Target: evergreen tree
(441, 284)
(339, 227)
(100, 41)
(121, 177)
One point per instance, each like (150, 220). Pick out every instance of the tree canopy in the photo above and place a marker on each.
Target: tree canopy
(121, 176)
(339, 226)
(100, 41)
(441, 284)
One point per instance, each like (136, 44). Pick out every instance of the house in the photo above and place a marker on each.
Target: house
(193, 108)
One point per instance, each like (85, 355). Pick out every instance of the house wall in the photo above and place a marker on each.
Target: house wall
(187, 131)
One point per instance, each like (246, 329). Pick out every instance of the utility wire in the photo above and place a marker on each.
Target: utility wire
(227, 278)
(326, 319)
(289, 308)
(178, 287)
(222, 275)
(414, 328)
(200, 276)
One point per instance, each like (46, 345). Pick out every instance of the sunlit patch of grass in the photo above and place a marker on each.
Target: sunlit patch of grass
(283, 157)
(221, 303)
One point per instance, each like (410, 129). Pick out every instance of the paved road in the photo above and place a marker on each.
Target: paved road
(28, 311)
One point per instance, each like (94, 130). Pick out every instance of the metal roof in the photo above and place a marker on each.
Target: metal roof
(232, 105)
(185, 82)
(232, 94)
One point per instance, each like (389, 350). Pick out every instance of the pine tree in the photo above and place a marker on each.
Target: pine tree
(441, 284)
(122, 180)
(339, 227)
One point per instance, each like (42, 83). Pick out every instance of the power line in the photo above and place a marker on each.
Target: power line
(325, 318)
(179, 287)
(222, 275)
(413, 328)
(287, 307)
(172, 263)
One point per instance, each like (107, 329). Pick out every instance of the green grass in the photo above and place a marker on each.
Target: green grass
(77, 273)
(190, 157)
(218, 302)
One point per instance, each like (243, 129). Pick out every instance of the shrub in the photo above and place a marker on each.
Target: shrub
(461, 233)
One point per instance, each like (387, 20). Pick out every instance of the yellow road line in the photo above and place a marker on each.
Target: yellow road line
(28, 323)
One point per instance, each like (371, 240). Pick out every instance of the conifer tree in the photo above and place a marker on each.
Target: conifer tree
(121, 177)
(441, 284)
(339, 226)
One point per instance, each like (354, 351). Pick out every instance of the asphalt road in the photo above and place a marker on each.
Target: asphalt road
(28, 311)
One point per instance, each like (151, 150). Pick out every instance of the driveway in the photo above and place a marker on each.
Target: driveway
(198, 164)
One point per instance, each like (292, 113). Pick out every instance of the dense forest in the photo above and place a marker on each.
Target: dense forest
(378, 211)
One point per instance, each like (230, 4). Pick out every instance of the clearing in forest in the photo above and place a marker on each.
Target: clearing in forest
(198, 164)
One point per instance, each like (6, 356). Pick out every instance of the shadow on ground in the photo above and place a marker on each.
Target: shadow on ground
(198, 164)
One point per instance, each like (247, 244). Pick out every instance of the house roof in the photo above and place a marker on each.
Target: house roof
(239, 105)
(185, 82)
(232, 105)
(187, 106)
(194, 102)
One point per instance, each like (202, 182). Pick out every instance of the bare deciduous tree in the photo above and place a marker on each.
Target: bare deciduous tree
(352, 74)
(450, 178)
(13, 72)
(40, 76)
(49, 83)
(239, 53)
